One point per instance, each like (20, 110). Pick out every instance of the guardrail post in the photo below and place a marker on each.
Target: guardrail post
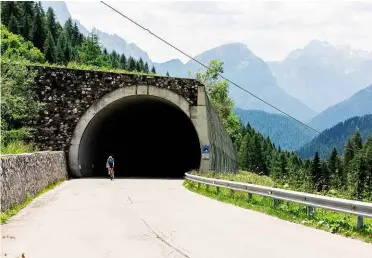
(217, 189)
(198, 185)
(275, 201)
(207, 187)
(310, 210)
(232, 192)
(360, 223)
(249, 194)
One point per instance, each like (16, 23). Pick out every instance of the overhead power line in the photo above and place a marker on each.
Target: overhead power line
(205, 66)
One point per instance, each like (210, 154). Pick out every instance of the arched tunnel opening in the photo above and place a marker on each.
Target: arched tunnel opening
(147, 136)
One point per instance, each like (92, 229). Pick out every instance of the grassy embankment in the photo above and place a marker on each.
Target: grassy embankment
(334, 222)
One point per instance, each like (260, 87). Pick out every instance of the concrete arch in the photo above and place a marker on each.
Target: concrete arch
(119, 95)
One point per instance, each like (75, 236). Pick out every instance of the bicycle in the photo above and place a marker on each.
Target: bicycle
(111, 173)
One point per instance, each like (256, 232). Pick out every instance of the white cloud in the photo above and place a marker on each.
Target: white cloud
(270, 29)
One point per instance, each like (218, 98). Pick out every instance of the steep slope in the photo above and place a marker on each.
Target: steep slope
(337, 136)
(321, 75)
(110, 42)
(283, 131)
(253, 74)
(357, 105)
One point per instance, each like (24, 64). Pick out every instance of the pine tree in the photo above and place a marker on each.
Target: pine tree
(153, 70)
(325, 177)
(243, 153)
(167, 74)
(78, 37)
(105, 52)
(50, 51)
(61, 49)
(123, 62)
(349, 153)
(51, 23)
(9, 8)
(146, 68)
(141, 65)
(336, 179)
(316, 172)
(69, 28)
(28, 13)
(114, 59)
(131, 64)
(357, 141)
(39, 30)
(13, 25)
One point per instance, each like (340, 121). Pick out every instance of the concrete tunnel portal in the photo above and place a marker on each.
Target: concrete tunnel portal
(148, 136)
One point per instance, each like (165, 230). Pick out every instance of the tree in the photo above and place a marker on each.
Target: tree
(325, 177)
(357, 141)
(218, 92)
(15, 47)
(39, 30)
(167, 74)
(123, 62)
(316, 172)
(141, 65)
(50, 51)
(146, 68)
(51, 23)
(114, 59)
(90, 50)
(9, 9)
(28, 13)
(63, 51)
(131, 64)
(13, 25)
(153, 70)
(105, 51)
(335, 171)
(349, 153)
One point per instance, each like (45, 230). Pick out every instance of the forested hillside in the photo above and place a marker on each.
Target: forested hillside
(282, 130)
(337, 136)
(63, 44)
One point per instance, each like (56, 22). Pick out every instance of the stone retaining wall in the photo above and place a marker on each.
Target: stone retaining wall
(28, 173)
(224, 155)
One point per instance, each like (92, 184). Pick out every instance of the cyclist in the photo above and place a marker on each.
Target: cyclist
(110, 166)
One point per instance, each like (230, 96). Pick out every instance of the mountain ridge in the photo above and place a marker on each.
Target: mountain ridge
(359, 104)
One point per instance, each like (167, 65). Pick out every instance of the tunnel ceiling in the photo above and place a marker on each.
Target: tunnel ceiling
(148, 137)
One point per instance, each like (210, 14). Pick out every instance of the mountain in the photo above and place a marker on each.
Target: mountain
(109, 41)
(244, 68)
(337, 136)
(321, 75)
(175, 68)
(357, 105)
(282, 130)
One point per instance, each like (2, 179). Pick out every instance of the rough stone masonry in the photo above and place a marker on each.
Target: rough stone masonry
(68, 93)
(28, 173)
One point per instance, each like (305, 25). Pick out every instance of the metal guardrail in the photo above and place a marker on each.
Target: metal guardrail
(359, 208)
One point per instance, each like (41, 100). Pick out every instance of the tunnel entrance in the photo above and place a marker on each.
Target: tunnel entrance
(148, 137)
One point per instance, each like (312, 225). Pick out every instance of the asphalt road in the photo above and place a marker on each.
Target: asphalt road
(158, 218)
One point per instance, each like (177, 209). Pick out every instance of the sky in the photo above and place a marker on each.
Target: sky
(270, 29)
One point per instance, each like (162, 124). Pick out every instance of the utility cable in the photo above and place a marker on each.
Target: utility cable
(223, 77)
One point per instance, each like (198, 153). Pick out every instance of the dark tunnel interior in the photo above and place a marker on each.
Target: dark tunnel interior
(147, 136)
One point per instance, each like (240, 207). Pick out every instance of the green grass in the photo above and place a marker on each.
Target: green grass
(6, 215)
(18, 147)
(337, 223)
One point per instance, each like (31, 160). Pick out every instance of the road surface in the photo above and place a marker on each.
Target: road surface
(158, 218)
